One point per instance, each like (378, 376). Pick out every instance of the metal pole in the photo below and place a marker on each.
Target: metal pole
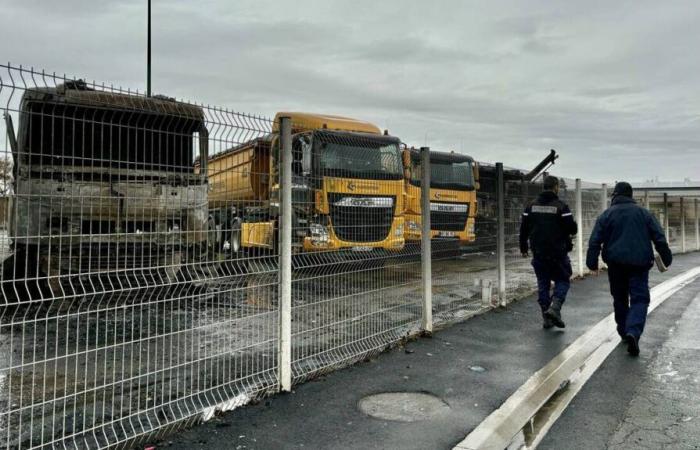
(697, 226)
(683, 248)
(646, 199)
(426, 250)
(148, 54)
(666, 230)
(604, 198)
(285, 262)
(579, 221)
(501, 234)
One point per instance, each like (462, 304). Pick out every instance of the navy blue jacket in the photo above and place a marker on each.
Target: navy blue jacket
(547, 225)
(625, 232)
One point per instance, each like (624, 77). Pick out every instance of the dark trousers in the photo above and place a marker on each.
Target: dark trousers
(548, 270)
(629, 286)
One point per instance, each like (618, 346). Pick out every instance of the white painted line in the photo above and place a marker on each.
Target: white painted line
(571, 368)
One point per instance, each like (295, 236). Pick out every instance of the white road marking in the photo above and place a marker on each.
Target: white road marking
(524, 419)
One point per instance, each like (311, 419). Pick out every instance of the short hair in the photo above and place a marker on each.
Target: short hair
(550, 183)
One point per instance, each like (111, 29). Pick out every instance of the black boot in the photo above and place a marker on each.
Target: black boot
(632, 344)
(546, 322)
(554, 313)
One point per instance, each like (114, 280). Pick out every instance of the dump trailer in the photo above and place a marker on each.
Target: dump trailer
(347, 189)
(103, 182)
(453, 187)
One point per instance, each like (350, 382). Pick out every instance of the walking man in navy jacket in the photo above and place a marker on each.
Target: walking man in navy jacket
(625, 232)
(547, 226)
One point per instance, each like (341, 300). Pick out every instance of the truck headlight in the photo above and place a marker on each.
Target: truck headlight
(413, 226)
(399, 230)
(319, 234)
(470, 228)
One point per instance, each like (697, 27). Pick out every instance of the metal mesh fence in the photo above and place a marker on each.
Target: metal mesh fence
(356, 284)
(163, 260)
(115, 322)
(462, 255)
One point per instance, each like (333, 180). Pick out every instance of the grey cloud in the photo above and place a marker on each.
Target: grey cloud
(611, 86)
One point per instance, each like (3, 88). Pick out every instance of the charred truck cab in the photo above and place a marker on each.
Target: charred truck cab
(453, 186)
(347, 189)
(104, 182)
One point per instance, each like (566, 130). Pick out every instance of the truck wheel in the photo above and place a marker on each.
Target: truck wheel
(236, 232)
(21, 281)
(235, 262)
(212, 244)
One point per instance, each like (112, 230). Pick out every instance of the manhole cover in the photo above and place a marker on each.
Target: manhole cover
(403, 406)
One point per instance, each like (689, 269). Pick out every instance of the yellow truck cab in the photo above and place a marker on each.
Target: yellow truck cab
(453, 186)
(347, 188)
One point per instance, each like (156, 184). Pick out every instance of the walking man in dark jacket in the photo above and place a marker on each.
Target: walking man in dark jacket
(625, 232)
(547, 226)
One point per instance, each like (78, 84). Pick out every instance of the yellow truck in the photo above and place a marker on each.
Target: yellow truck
(347, 189)
(453, 187)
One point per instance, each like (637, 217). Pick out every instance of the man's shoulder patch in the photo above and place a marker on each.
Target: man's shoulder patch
(544, 209)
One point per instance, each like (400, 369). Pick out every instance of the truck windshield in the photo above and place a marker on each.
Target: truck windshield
(446, 175)
(348, 157)
(82, 135)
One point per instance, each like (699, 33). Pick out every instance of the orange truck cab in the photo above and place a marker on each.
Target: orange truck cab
(453, 187)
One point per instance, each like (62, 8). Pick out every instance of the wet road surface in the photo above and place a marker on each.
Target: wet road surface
(473, 367)
(646, 403)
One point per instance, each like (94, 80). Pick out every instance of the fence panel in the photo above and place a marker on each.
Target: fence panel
(463, 227)
(115, 321)
(356, 286)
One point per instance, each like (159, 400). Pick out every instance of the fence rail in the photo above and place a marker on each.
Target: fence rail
(163, 260)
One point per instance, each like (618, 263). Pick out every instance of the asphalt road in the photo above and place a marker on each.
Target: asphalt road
(646, 403)
(473, 367)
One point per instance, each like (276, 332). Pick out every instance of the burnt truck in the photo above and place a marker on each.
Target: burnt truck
(103, 183)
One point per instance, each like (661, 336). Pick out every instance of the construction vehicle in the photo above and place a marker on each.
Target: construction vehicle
(520, 188)
(102, 182)
(347, 189)
(454, 181)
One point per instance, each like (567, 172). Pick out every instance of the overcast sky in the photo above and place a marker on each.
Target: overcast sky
(612, 86)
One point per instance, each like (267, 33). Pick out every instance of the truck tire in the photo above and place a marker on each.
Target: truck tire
(21, 280)
(235, 262)
(235, 237)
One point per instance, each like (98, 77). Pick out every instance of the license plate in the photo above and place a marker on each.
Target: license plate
(361, 249)
(447, 234)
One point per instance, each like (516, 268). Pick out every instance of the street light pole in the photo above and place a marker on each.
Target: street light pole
(148, 54)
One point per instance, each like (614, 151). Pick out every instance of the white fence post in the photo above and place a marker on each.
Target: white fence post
(604, 198)
(285, 257)
(683, 247)
(579, 221)
(603, 207)
(501, 234)
(426, 250)
(665, 209)
(697, 226)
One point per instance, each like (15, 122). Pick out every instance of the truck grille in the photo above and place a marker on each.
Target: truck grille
(361, 218)
(449, 216)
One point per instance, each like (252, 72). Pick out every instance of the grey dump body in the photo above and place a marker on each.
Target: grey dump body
(103, 173)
